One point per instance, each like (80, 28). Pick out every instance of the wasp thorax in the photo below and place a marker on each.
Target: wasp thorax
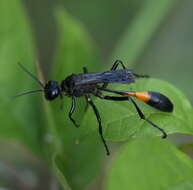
(52, 90)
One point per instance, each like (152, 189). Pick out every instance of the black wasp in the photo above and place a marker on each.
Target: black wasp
(94, 84)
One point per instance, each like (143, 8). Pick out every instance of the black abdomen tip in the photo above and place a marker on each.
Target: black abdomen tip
(160, 102)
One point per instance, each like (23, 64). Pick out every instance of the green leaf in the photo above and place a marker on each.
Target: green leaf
(148, 164)
(184, 185)
(58, 171)
(19, 117)
(74, 51)
(140, 32)
(79, 164)
(121, 121)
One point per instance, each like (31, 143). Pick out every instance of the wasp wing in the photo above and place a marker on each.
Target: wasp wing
(117, 76)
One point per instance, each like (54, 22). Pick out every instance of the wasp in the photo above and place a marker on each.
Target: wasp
(90, 84)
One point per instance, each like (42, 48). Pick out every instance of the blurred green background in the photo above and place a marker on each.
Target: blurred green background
(152, 37)
(167, 54)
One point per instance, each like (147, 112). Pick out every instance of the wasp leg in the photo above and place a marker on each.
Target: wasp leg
(89, 101)
(72, 109)
(113, 68)
(140, 76)
(142, 116)
(114, 98)
(99, 122)
(116, 64)
(140, 113)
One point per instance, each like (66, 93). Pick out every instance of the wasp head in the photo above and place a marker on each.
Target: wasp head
(51, 90)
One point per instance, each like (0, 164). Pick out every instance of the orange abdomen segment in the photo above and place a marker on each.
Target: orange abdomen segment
(154, 99)
(141, 95)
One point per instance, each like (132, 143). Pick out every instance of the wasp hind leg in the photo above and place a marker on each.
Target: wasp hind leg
(142, 116)
(140, 76)
(140, 113)
(116, 64)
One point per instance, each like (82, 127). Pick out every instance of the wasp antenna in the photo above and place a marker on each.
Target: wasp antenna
(30, 74)
(27, 92)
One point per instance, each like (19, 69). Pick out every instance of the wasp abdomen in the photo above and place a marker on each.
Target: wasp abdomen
(154, 99)
(160, 101)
